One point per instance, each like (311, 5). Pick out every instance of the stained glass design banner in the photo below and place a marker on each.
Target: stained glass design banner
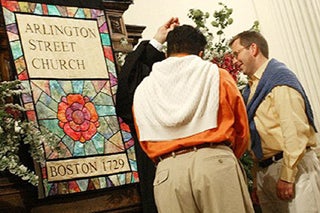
(63, 56)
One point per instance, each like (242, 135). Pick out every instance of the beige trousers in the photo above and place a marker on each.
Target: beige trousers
(307, 187)
(208, 180)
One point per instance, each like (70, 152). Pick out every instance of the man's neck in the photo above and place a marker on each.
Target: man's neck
(258, 63)
(178, 54)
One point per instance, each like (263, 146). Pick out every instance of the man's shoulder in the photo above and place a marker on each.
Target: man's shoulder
(139, 47)
(225, 75)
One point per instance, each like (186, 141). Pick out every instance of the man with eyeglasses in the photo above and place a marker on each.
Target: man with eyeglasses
(283, 133)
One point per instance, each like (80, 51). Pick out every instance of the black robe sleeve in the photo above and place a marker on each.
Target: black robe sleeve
(137, 66)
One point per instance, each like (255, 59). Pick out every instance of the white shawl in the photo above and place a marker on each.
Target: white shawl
(179, 98)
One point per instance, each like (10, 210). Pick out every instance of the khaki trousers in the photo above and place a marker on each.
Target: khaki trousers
(307, 187)
(208, 180)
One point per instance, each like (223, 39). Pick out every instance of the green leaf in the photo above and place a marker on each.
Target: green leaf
(230, 21)
(220, 32)
(215, 24)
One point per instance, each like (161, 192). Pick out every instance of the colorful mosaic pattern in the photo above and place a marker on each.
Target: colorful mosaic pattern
(79, 112)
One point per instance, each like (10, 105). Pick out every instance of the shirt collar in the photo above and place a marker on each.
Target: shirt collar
(258, 74)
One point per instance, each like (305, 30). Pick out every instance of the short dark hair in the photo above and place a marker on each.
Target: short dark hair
(250, 36)
(185, 39)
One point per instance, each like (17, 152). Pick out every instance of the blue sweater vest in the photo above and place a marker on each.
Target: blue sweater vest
(276, 74)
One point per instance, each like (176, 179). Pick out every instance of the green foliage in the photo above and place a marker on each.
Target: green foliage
(255, 26)
(15, 131)
(221, 20)
(217, 43)
(247, 163)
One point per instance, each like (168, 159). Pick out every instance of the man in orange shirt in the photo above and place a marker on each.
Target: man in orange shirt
(191, 121)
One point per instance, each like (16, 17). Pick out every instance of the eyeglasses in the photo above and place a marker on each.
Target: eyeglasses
(236, 53)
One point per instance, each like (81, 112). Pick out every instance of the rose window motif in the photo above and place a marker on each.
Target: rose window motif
(78, 117)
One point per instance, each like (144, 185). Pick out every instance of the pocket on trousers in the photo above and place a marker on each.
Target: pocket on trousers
(161, 177)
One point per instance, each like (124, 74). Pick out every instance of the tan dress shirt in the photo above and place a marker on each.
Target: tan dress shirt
(283, 125)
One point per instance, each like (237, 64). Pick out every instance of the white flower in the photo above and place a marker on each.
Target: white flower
(17, 127)
(242, 80)
(23, 169)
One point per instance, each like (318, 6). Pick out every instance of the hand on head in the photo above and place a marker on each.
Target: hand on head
(163, 31)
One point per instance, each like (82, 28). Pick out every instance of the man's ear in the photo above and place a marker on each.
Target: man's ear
(254, 49)
(200, 54)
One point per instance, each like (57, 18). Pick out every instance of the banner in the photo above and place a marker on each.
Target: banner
(63, 56)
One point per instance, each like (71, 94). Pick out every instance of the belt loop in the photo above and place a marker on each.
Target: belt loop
(195, 148)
